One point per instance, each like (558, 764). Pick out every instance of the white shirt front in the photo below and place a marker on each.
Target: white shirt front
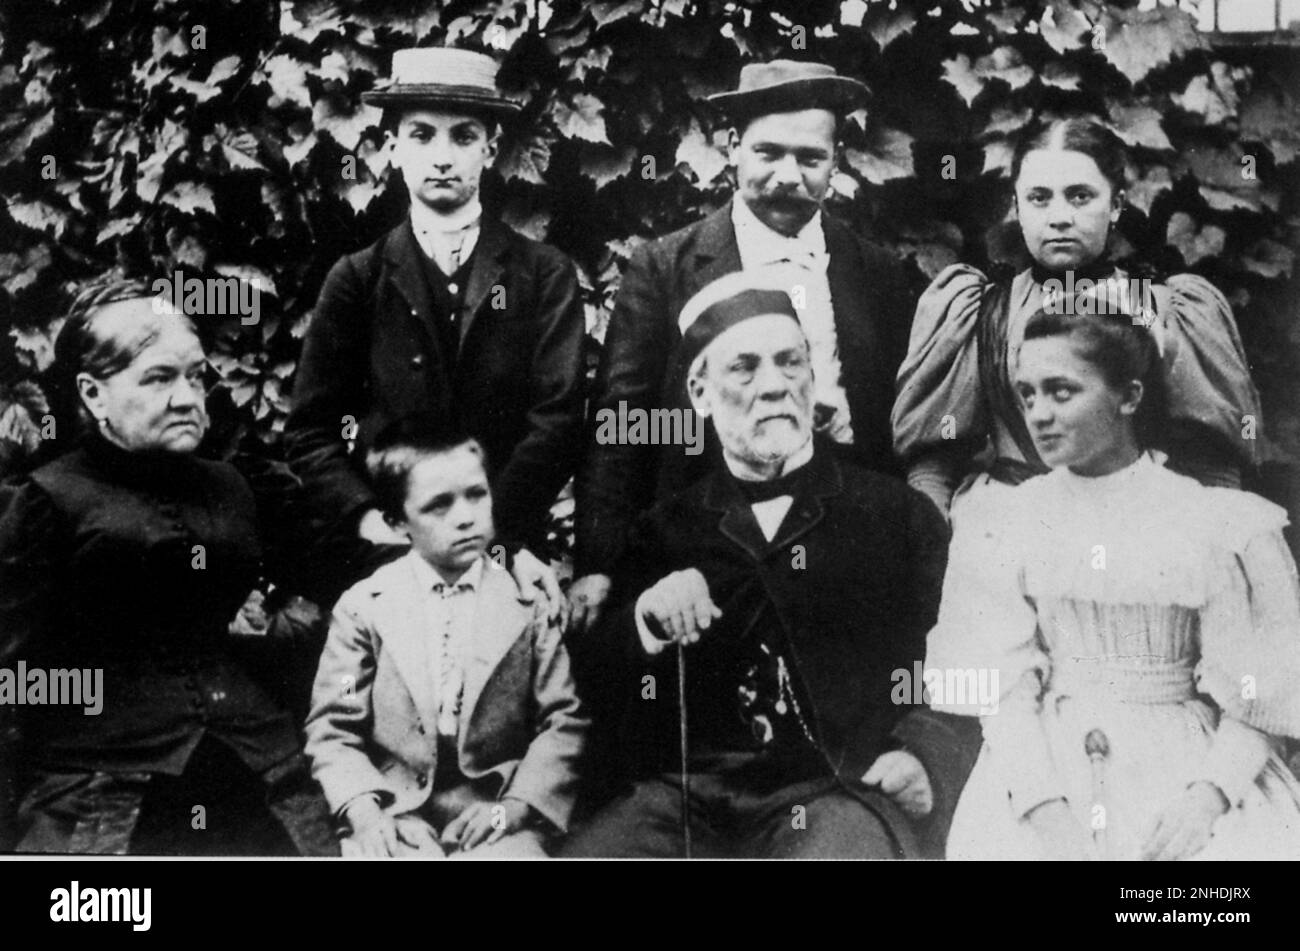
(447, 239)
(800, 263)
(450, 612)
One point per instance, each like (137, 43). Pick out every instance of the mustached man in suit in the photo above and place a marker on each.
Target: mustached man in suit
(449, 316)
(784, 144)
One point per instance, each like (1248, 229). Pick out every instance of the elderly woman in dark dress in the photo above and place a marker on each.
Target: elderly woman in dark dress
(131, 555)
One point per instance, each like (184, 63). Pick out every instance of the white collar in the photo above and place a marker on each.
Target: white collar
(429, 579)
(427, 221)
(751, 232)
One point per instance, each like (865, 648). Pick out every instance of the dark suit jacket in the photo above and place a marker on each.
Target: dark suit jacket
(853, 576)
(872, 317)
(373, 353)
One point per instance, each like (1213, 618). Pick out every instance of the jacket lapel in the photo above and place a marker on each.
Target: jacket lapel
(854, 328)
(499, 621)
(410, 642)
(486, 272)
(406, 274)
(716, 252)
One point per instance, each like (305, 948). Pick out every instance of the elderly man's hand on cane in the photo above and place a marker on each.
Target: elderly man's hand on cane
(678, 608)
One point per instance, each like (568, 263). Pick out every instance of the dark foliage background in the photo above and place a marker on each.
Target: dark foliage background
(227, 137)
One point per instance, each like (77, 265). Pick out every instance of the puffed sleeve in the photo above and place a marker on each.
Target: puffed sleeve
(987, 624)
(938, 418)
(1250, 625)
(1209, 385)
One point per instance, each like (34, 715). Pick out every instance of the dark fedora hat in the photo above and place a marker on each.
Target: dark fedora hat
(442, 76)
(784, 85)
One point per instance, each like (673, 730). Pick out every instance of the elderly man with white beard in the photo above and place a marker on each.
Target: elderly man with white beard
(797, 584)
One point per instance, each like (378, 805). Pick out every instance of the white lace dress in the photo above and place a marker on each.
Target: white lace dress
(1160, 617)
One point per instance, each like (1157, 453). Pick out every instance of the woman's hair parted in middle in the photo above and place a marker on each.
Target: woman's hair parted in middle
(1119, 344)
(1077, 134)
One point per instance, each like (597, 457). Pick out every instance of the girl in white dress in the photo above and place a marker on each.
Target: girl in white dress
(1144, 630)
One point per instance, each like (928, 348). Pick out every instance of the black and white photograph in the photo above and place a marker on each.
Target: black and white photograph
(651, 429)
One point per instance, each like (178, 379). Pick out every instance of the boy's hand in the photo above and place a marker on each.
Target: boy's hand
(531, 574)
(485, 822)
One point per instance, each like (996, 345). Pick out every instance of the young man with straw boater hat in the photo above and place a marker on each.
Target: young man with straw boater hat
(450, 315)
(784, 146)
(797, 585)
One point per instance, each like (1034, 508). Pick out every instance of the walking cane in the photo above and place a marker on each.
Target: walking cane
(681, 725)
(1097, 746)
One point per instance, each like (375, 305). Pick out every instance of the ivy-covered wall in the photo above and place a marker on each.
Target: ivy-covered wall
(227, 137)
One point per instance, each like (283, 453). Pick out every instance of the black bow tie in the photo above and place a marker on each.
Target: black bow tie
(788, 484)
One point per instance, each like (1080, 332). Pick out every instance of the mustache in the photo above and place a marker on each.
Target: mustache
(787, 200)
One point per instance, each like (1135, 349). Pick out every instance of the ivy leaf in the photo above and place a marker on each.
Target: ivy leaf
(958, 74)
(531, 225)
(700, 154)
(261, 282)
(1153, 183)
(1062, 26)
(1140, 125)
(23, 271)
(333, 68)
(527, 161)
(888, 156)
(334, 114)
(240, 150)
(1220, 174)
(1213, 98)
(1006, 64)
(1195, 244)
(606, 13)
(1006, 120)
(1272, 116)
(117, 228)
(596, 58)
(581, 120)
(310, 20)
(201, 91)
(190, 197)
(1060, 76)
(1137, 41)
(885, 26)
(605, 164)
(28, 135)
(223, 69)
(287, 78)
(296, 152)
(39, 216)
(359, 194)
(186, 249)
(1269, 259)
(997, 158)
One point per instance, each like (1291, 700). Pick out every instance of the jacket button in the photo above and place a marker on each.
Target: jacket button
(452, 288)
(417, 361)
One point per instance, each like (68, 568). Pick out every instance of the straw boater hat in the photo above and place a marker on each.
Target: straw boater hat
(442, 76)
(785, 85)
